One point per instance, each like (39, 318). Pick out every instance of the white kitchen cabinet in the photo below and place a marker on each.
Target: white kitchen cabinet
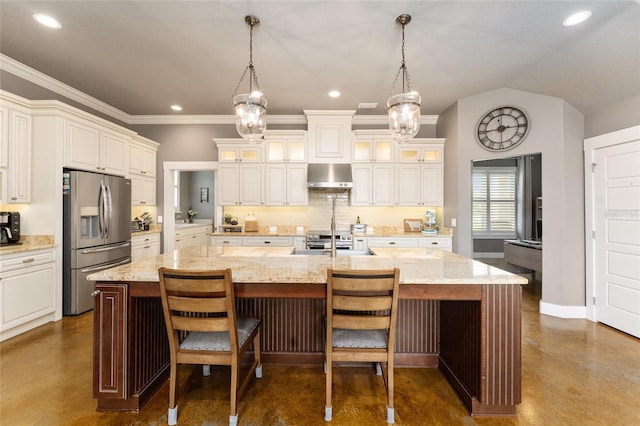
(420, 185)
(4, 135)
(142, 156)
(373, 146)
(142, 171)
(443, 243)
(286, 185)
(286, 146)
(420, 173)
(27, 291)
(422, 150)
(15, 150)
(192, 235)
(373, 185)
(18, 172)
(144, 246)
(143, 190)
(373, 242)
(267, 241)
(329, 136)
(226, 241)
(360, 243)
(236, 151)
(90, 147)
(240, 184)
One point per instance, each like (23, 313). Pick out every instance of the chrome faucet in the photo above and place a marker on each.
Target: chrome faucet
(333, 227)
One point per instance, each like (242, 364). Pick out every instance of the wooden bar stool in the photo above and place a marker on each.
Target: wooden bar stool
(200, 316)
(361, 324)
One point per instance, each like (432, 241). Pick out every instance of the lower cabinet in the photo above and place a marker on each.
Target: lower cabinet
(443, 243)
(27, 291)
(299, 243)
(193, 236)
(144, 246)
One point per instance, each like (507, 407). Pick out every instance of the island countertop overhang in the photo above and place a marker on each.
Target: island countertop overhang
(264, 265)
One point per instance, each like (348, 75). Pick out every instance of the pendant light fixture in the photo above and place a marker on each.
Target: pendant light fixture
(404, 109)
(250, 108)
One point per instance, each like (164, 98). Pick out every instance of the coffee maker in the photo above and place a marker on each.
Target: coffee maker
(9, 227)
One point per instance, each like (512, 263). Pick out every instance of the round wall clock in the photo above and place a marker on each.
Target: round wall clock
(502, 128)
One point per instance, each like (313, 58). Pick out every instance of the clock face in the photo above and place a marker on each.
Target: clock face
(502, 129)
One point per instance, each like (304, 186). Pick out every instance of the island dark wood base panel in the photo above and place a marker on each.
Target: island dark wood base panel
(471, 332)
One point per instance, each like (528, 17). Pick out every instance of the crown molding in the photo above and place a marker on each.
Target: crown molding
(25, 72)
(34, 76)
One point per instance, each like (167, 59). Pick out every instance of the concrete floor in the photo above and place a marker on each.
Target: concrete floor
(575, 372)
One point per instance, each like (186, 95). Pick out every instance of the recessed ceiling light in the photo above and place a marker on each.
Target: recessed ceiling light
(334, 94)
(176, 107)
(47, 21)
(576, 18)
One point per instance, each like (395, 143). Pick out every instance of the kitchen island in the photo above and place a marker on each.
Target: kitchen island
(454, 313)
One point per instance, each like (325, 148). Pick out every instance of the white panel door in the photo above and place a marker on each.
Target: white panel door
(617, 237)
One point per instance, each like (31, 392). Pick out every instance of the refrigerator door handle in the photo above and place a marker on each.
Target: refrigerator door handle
(101, 209)
(110, 265)
(108, 210)
(103, 249)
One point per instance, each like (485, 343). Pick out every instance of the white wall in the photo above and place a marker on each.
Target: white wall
(556, 131)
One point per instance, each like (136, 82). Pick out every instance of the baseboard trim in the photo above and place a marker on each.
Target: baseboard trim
(562, 311)
(488, 255)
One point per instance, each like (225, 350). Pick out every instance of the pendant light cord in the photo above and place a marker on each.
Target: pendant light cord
(253, 76)
(406, 81)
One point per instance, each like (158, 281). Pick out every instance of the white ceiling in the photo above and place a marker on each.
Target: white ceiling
(142, 56)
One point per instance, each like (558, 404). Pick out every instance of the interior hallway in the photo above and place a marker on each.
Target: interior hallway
(574, 372)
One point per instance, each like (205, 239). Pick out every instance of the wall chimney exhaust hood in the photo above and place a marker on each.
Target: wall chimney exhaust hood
(329, 177)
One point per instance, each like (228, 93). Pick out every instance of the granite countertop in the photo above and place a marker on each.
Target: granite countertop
(278, 265)
(29, 243)
(150, 231)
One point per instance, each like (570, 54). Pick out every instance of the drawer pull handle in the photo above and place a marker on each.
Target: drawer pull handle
(29, 260)
(434, 242)
(95, 293)
(392, 242)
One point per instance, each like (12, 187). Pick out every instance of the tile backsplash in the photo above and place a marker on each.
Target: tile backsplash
(317, 214)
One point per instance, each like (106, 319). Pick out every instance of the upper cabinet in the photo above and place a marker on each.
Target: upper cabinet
(237, 151)
(329, 136)
(371, 146)
(420, 173)
(240, 173)
(94, 148)
(15, 153)
(286, 146)
(142, 156)
(422, 150)
(142, 171)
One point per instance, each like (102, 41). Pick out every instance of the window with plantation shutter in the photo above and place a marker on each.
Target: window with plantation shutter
(494, 202)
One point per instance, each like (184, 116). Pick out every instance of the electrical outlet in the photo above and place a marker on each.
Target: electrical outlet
(159, 219)
(454, 222)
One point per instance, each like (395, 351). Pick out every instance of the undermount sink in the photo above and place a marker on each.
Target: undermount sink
(338, 252)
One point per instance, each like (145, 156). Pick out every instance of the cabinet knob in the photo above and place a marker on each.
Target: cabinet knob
(14, 198)
(95, 293)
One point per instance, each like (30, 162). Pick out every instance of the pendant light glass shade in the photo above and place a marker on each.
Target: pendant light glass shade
(250, 108)
(251, 115)
(404, 115)
(404, 108)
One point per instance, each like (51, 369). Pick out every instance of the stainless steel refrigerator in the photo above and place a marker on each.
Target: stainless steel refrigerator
(96, 232)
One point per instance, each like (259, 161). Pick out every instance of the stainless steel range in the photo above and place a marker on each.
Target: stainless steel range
(321, 240)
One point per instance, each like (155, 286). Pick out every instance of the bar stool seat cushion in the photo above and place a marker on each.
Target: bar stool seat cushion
(347, 338)
(219, 341)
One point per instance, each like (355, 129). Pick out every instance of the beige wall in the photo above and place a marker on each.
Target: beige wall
(556, 132)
